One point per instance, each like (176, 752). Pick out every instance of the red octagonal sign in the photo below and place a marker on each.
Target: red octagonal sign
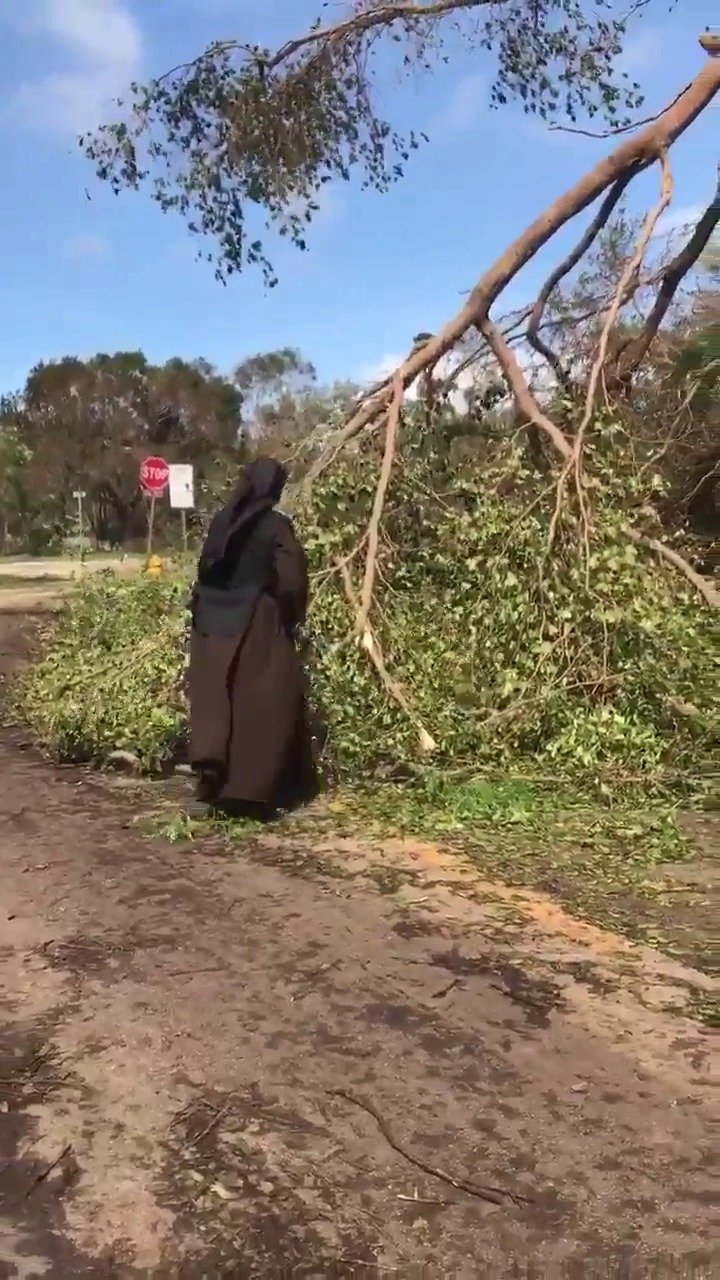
(154, 477)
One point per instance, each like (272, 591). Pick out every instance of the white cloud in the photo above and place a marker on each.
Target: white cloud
(373, 373)
(379, 369)
(683, 218)
(97, 48)
(85, 248)
(382, 368)
(466, 103)
(535, 369)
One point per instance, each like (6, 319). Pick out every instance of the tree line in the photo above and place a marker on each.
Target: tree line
(85, 425)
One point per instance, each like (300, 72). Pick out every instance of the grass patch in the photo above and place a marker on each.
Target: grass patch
(603, 862)
(10, 582)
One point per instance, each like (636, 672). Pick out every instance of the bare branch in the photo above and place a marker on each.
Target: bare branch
(358, 23)
(709, 593)
(631, 270)
(587, 239)
(391, 432)
(619, 129)
(524, 398)
(634, 350)
(635, 154)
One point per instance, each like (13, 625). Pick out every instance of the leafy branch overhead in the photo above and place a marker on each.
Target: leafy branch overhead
(242, 129)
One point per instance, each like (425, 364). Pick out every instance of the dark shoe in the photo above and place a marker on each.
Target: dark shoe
(198, 811)
(209, 784)
(248, 811)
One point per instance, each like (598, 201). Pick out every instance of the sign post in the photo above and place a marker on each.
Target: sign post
(78, 495)
(154, 480)
(182, 494)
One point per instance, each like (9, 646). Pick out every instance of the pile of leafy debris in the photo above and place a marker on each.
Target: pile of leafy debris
(589, 659)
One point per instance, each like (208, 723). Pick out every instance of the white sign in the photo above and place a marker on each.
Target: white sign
(182, 486)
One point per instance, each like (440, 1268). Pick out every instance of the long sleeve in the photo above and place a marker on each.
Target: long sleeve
(291, 569)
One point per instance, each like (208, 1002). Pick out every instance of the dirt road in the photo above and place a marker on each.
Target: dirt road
(214, 1066)
(40, 584)
(65, 568)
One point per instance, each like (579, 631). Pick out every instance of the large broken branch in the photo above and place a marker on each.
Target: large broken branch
(632, 155)
(632, 352)
(373, 649)
(523, 396)
(534, 337)
(706, 589)
(373, 534)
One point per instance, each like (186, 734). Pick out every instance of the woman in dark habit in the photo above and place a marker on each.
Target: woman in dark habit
(249, 740)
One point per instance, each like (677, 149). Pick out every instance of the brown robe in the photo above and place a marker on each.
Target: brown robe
(247, 693)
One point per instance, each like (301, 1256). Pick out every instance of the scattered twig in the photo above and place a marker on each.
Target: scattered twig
(219, 1115)
(441, 1204)
(311, 977)
(190, 973)
(372, 647)
(493, 1195)
(706, 589)
(45, 1173)
(445, 991)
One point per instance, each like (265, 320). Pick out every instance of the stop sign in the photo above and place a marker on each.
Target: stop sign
(154, 476)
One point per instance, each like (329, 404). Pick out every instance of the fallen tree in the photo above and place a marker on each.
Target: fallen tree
(629, 159)
(494, 615)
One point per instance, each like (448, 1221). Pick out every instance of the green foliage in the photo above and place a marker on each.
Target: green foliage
(109, 673)
(571, 664)
(244, 130)
(85, 424)
(564, 661)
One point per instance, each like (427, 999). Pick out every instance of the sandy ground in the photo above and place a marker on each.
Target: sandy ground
(214, 1065)
(64, 568)
(39, 584)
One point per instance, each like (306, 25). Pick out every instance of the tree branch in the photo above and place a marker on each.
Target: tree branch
(634, 350)
(631, 269)
(706, 589)
(372, 648)
(333, 33)
(373, 533)
(523, 396)
(635, 153)
(587, 239)
(618, 130)
(358, 23)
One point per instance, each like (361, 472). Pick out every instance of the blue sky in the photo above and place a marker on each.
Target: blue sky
(82, 275)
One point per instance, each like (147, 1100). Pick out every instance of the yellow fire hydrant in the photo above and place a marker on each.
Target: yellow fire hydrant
(154, 567)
